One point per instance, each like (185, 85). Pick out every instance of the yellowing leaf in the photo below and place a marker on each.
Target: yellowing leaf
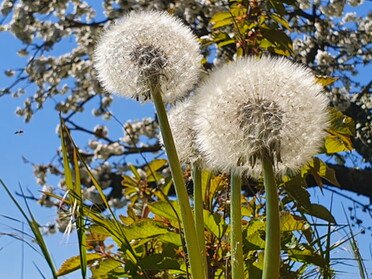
(220, 16)
(155, 165)
(289, 222)
(335, 143)
(325, 80)
(73, 263)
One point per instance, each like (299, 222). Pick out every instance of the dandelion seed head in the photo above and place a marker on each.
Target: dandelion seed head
(181, 117)
(145, 48)
(253, 108)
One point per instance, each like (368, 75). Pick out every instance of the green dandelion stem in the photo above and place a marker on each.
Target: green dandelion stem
(196, 263)
(237, 263)
(198, 215)
(272, 244)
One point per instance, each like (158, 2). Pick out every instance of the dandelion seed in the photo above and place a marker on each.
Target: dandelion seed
(148, 48)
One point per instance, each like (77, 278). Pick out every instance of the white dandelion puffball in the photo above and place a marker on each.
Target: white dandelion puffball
(145, 48)
(180, 118)
(253, 108)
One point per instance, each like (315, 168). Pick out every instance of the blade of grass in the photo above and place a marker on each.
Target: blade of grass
(126, 244)
(80, 222)
(76, 189)
(35, 229)
(355, 249)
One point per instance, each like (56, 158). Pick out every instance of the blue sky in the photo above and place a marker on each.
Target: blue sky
(38, 144)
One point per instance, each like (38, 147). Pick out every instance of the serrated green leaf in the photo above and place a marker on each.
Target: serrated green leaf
(215, 223)
(73, 263)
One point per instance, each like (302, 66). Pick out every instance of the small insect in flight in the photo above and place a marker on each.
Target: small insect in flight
(19, 132)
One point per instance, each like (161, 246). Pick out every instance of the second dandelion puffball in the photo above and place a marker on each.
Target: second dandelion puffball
(260, 107)
(147, 49)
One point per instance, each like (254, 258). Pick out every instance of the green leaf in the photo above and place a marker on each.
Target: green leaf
(321, 212)
(282, 42)
(215, 223)
(159, 262)
(145, 228)
(165, 209)
(307, 256)
(254, 234)
(296, 189)
(277, 6)
(225, 43)
(73, 263)
(340, 123)
(104, 268)
(265, 43)
(135, 172)
(222, 23)
(171, 237)
(281, 20)
(319, 170)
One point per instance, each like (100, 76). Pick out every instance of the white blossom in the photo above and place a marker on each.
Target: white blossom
(148, 46)
(253, 106)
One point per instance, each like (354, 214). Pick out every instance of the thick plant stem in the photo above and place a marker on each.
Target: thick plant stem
(272, 244)
(198, 215)
(196, 263)
(237, 263)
